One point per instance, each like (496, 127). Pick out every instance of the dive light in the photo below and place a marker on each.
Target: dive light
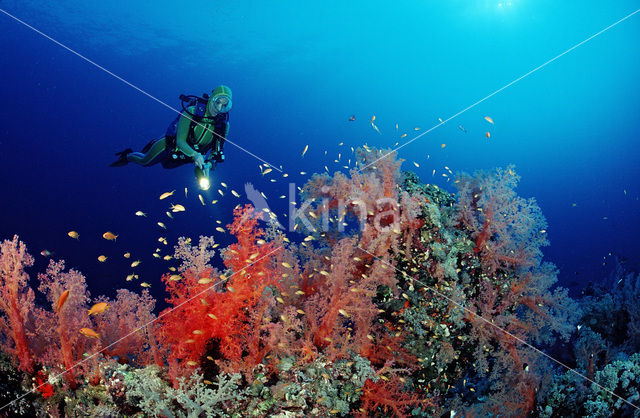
(202, 175)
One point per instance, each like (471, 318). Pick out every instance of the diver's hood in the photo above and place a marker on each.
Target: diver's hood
(220, 100)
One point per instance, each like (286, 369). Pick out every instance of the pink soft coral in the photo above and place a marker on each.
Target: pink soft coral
(127, 328)
(67, 344)
(16, 301)
(508, 230)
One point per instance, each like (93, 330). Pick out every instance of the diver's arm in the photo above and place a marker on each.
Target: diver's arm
(182, 132)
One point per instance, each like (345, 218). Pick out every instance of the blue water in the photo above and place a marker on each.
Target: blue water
(297, 73)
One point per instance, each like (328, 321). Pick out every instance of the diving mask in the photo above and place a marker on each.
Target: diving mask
(220, 104)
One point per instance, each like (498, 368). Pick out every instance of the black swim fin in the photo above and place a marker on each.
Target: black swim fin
(122, 158)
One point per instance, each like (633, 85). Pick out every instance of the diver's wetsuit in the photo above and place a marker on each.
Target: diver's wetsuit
(184, 140)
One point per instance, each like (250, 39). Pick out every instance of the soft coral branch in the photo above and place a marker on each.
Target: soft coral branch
(16, 299)
(69, 343)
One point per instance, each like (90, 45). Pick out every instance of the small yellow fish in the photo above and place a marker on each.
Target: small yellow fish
(287, 265)
(102, 258)
(213, 202)
(98, 308)
(192, 363)
(373, 118)
(162, 225)
(443, 145)
(167, 258)
(267, 171)
(343, 313)
(488, 119)
(223, 184)
(220, 229)
(177, 208)
(110, 236)
(403, 135)
(145, 284)
(74, 234)
(130, 277)
(169, 214)
(135, 263)
(166, 194)
(127, 255)
(201, 199)
(233, 192)
(304, 151)
(185, 192)
(175, 278)
(416, 164)
(205, 280)
(156, 255)
(88, 332)
(140, 213)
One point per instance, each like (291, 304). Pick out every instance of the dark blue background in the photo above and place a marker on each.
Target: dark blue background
(297, 73)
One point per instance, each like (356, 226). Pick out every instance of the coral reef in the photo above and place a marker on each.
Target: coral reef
(398, 299)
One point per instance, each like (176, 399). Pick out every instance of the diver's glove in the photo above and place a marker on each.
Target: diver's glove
(198, 159)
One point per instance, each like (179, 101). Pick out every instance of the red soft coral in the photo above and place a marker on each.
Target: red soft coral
(209, 305)
(387, 395)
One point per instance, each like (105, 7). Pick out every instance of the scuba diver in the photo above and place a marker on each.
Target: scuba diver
(197, 135)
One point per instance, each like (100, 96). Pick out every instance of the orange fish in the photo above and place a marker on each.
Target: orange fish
(109, 236)
(98, 308)
(488, 135)
(488, 119)
(62, 299)
(88, 332)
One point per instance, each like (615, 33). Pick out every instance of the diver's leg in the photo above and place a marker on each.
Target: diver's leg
(154, 155)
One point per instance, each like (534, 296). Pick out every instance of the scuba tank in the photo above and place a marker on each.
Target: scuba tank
(200, 104)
